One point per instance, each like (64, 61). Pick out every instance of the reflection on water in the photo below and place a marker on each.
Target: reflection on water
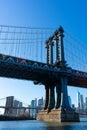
(38, 125)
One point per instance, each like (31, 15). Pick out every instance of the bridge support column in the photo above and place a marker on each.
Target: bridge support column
(51, 98)
(58, 96)
(64, 95)
(46, 96)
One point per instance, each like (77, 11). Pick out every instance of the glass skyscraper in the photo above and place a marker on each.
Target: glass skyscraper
(78, 100)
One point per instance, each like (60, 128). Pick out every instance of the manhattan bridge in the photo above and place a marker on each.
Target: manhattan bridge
(47, 56)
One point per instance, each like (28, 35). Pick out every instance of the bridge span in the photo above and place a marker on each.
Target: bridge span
(55, 73)
(13, 67)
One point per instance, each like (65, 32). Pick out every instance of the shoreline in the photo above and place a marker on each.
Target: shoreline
(12, 118)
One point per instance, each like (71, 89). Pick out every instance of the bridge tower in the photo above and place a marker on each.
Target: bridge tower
(58, 109)
(9, 105)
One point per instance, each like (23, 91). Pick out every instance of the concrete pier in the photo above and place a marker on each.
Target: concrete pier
(58, 115)
(58, 110)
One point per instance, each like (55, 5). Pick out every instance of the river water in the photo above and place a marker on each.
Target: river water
(38, 125)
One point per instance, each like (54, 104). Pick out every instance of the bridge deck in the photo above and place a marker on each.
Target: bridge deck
(18, 68)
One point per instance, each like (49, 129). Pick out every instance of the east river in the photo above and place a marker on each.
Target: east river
(38, 125)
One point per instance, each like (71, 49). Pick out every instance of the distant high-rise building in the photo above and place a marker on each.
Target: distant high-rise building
(70, 102)
(20, 111)
(78, 100)
(86, 102)
(84, 106)
(81, 102)
(40, 102)
(33, 112)
(32, 103)
(33, 106)
(15, 104)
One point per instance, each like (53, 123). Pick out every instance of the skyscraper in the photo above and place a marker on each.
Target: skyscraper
(78, 100)
(33, 104)
(15, 104)
(81, 102)
(40, 102)
(86, 102)
(70, 102)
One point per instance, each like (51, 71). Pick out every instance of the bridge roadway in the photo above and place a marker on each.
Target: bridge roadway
(13, 67)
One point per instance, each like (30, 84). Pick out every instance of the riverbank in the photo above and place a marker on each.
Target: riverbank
(10, 118)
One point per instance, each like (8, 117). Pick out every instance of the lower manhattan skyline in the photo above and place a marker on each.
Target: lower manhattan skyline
(27, 99)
